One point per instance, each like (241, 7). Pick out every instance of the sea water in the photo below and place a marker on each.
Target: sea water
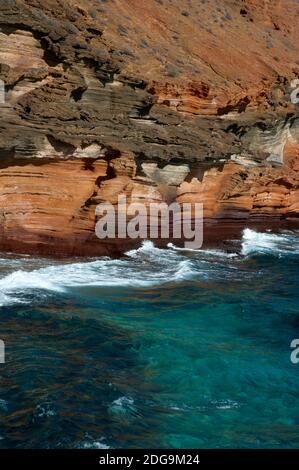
(165, 348)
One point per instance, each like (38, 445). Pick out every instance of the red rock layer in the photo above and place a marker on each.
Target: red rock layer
(50, 207)
(156, 100)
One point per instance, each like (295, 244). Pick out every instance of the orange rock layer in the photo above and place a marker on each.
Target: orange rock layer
(157, 101)
(50, 207)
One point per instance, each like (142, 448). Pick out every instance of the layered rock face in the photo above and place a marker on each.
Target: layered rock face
(155, 100)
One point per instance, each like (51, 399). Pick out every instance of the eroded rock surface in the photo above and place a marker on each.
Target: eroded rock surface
(156, 100)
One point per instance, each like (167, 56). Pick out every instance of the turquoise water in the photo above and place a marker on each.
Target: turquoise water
(164, 348)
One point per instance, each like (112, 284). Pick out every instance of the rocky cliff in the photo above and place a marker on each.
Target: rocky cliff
(182, 100)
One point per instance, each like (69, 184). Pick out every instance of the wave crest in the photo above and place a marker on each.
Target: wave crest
(268, 243)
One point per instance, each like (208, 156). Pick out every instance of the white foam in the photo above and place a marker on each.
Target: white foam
(123, 402)
(123, 405)
(216, 253)
(185, 271)
(225, 404)
(45, 410)
(145, 267)
(94, 444)
(268, 243)
(5, 300)
(147, 247)
(23, 280)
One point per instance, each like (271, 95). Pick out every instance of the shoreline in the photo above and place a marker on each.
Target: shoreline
(217, 235)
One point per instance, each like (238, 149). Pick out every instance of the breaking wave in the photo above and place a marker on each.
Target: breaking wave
(145, 267)
(268, 243)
